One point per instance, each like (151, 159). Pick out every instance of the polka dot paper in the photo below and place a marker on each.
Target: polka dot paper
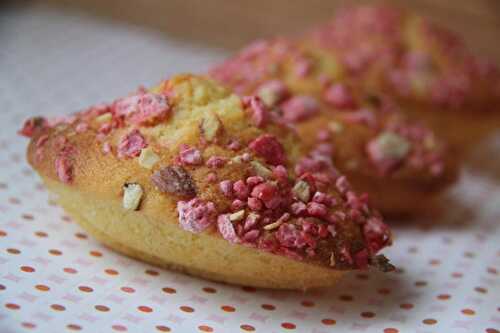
(56, 278)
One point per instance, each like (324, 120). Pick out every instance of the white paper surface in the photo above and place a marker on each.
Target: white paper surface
(53, 278)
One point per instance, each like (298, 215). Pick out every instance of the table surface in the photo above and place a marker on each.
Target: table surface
(54, 278)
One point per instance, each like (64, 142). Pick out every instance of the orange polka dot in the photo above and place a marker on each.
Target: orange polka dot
(85, 289)
(457, 275)
(3, 233)
(209, 290)
(469, 254)
(42, 287)
(12, 306)
(95, 254)
(55, 252)
(163, 328)
(81, 235)
(429, 321)
(248, 328)
(268, 307)
(13, 251)
(328, 321)
(367, 314)
(492, 330)
(169, 290)
(41, 234)
(288, 326)
(307, 304)
(186, 308)
(420, 283)
(468, 312)
(28, 217)
(228, 308)
(27, 269)
(14, 201)
(492, 270)
(101, 308)
(346, 298)
(66, 218)
(205, 328)
(70, 270)
(58, 307)
(406, 306)
(481, 290)
(384, 291)
(119, 328)
(28, 325)
(443, 297)
(128, 290)
(152, 272)
(144, 308)
(74, 327)
(434, 262)
(391, 330)
(111, 271)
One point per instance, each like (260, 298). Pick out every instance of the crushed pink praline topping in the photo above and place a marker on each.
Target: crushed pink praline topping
(226, 229)
(190, 156)
(258, 110)
(376, 234)
(387, 151)
(64, 169)
(289, 236)
(31, 125)
(143, 109)
(299, 108)
(216, 162)
(364, 116)
(226, 187)
(240, 189)
(340, 96)
(64, 164)
(268, 194)
(131, 144)
(106, 148)
(274, 90)
(303, 67)
(81, 127)
(269, 148)
(196, 215)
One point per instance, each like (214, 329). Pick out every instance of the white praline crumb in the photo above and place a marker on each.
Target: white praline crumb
(302, 191)
(335, 127)
(210, 126)
(132, 195)
(273, 225)
(239, 215)
(103, 118)
(148, 158)
(260, 169)
(393, 145)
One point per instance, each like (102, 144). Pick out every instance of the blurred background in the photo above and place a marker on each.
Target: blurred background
(231, 24)
(90, 51)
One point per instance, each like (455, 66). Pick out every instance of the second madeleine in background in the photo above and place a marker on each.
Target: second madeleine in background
(401, 164)
(428, 69)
